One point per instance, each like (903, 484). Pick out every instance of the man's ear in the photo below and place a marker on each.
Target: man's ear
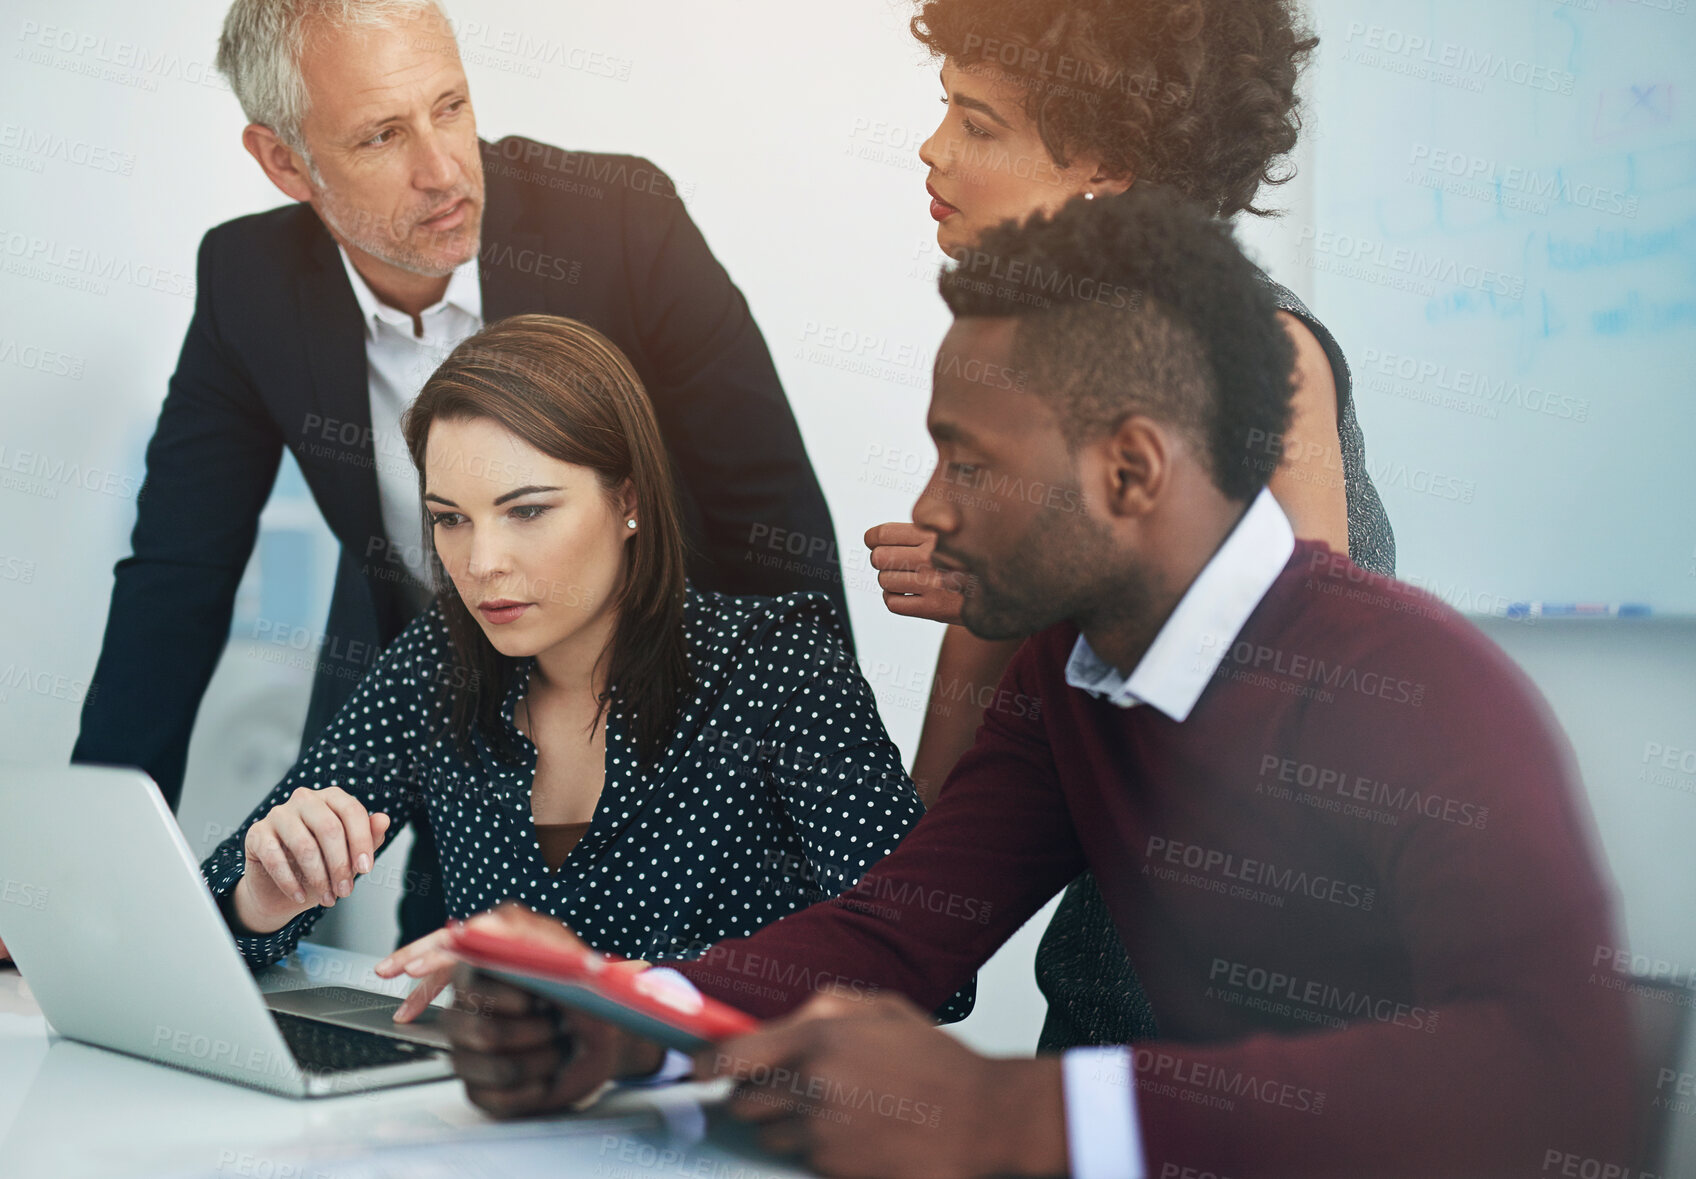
(281, 162)
(1139, 466)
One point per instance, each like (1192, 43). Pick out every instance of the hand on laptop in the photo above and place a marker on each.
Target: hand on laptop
(305, 852)
(912, 586)
(522, 1054)
(428, 961)
(425, 960)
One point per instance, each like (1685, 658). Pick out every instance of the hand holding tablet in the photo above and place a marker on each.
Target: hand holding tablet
(540, 1021)
(607, 988)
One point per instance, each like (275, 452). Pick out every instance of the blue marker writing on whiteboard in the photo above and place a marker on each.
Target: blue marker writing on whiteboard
(1578, 610)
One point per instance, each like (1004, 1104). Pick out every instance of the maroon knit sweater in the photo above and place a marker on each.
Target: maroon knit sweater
(1358, 883)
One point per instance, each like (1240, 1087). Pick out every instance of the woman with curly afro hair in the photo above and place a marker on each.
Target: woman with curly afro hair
(1047, 101)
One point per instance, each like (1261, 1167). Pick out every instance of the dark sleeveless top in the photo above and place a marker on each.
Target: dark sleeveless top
(1082, 969)
(1372, 545)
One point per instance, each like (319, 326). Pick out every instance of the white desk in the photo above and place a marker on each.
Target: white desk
(68, 1110)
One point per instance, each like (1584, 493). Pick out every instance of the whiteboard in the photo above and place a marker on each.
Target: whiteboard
(1502, 236)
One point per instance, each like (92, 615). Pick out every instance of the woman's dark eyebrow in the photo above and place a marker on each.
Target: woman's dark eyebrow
(974, 104)
(518, 491)
(500, 499)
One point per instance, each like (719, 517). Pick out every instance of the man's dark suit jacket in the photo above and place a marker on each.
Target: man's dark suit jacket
(275, 357)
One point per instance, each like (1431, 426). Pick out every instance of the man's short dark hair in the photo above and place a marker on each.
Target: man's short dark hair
(1140, 304)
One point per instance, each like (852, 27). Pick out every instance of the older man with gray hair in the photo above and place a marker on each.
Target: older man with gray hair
(315, 324)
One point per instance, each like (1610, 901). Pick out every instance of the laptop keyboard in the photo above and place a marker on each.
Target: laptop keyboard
(325, 1048)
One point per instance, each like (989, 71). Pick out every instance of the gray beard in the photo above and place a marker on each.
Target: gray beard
(386, 249)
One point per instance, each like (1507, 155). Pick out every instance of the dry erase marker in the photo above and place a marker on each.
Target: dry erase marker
(1578, 610)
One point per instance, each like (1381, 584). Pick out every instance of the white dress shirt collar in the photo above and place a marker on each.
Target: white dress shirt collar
(465, 293)
(1177, 666)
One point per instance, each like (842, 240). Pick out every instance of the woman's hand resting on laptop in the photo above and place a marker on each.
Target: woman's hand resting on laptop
(305, 852)
(517, 1052)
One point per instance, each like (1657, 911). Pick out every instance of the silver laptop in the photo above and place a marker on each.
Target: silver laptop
(103, 907)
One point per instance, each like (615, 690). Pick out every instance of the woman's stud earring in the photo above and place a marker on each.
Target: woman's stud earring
(630, 523)
(1089, 196)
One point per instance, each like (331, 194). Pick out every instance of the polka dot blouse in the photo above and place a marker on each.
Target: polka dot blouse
(778, 788)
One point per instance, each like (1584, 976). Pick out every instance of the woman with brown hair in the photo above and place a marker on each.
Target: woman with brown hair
(658, 767)
(1054, 100)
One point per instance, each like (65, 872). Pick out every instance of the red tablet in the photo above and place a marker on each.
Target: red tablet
(582, 979)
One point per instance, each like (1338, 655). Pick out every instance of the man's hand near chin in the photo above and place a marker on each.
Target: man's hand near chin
(872, 1088)
(520, 1053)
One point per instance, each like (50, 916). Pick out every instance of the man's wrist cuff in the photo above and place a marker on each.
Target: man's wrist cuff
(676, 1065)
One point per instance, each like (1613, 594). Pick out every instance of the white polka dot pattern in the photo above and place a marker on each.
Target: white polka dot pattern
(779, 787)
